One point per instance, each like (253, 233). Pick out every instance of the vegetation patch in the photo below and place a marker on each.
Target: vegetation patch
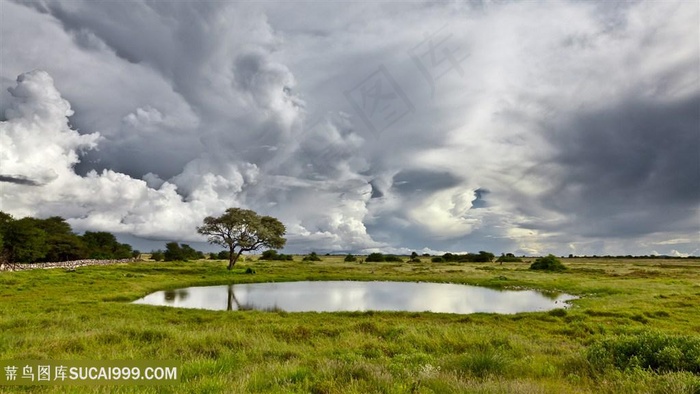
(548, 263)
(508, 258)
(480, 364)
(381, 258)
(86, 314)
(272, 255)
(647, 350)
(311, 257)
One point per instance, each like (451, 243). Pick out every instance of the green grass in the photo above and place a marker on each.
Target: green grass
(85, 314)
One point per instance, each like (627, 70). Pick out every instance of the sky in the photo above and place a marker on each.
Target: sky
(526, 127)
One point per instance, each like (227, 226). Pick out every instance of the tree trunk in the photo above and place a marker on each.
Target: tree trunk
(232, 258)
(232, 299)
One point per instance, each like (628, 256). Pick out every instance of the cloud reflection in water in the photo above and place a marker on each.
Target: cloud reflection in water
(336, 296)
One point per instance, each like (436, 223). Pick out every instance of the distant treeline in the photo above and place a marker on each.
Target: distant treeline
(31, 240)
(183, 252)
(177, 252)
(481, 257)
(647, 257)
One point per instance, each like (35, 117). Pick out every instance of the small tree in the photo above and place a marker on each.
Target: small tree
(173, 252)
(24, 241)
(485, 257)
(272, 255)
(390, 258)
(311, 257)
(350, 258)
(375, 258)
(157, 255)
(62, 243)
(243, 230)
(548, 263)
(104, 245)
(508, 258)
(269, 255)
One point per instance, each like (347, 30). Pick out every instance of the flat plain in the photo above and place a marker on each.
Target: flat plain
(86, 314)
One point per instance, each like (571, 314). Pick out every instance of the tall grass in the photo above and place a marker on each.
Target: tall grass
(647, 350)
(626, 307)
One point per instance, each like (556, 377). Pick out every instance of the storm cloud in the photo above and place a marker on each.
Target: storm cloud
(525, 127)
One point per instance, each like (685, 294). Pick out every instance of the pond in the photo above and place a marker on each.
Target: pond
(337, 296)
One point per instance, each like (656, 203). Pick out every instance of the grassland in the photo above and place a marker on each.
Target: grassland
(85, 314)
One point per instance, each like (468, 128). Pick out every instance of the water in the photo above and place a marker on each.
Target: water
(336, 296)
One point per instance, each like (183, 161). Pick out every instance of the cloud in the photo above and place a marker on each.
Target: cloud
(563, 127)
(18, 180)
(37, 125)
(39, 158)
(44, 150)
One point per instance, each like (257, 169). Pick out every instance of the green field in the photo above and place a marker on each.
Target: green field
(85, 314)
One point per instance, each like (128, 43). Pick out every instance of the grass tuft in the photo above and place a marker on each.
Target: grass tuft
(647, 350)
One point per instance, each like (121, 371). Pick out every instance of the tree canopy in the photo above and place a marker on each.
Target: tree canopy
(30, 240)
(548, 263)
(242, 230)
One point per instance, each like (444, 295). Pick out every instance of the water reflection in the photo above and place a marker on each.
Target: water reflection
(172, 295)
(358, 296)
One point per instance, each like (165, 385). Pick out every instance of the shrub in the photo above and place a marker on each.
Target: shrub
(104, 245)
(274, 256)
(350, 258)
(437, 259)
(182, 252)
(548, 263)
(481, 257)
(509, 258)
(375, 258)
(311, 257)
(268, 255)
(648, 350)
(157, 255)
(393, 259)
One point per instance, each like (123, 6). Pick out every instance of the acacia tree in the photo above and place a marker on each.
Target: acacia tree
(243, 230)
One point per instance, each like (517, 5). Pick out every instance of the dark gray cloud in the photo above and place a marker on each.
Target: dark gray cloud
(19, 180)
(569, 127)
(629, 169)
(410, 182)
